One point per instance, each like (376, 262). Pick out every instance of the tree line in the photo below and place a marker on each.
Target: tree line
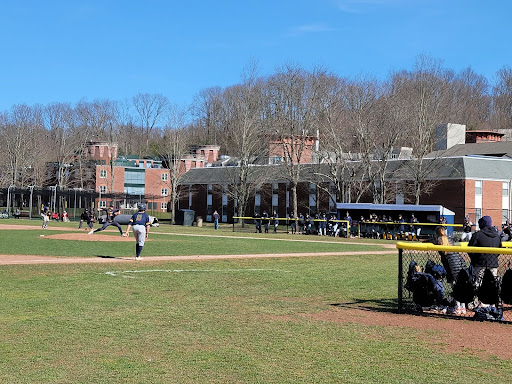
(359, 118)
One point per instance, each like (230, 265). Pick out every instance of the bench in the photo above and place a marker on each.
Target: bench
(21, 214)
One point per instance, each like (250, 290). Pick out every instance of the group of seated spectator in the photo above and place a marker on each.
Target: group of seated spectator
(375, 227)
(320, 224)
(386, 227)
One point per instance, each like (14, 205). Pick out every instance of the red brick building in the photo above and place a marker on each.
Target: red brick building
(128, 181)
(474, 185)
(125, 181)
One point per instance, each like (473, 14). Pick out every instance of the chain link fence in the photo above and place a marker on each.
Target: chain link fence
(443, 281)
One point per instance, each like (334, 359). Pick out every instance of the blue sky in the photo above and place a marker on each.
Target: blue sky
(67, 51)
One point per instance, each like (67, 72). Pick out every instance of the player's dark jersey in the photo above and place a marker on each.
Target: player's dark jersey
(89, 217)
(111, 214)
(139, 218)
(44, 210)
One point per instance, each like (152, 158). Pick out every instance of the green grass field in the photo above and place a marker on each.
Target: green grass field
(224, 321)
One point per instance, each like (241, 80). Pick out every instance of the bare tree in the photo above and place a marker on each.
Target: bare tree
(242, 124)
(361, 104)
(99, 119)
(62, 127)
(207, 108)
(18, 128)
(502, 99)
(151, 109)
(471, 100)
(291, 96)
(173, 147)
(426, 95)
(336, 145)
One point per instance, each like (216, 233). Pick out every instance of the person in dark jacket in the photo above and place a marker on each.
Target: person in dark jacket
(487, 236)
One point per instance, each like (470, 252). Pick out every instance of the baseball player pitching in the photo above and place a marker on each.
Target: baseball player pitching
(111, 215)
(140, 223)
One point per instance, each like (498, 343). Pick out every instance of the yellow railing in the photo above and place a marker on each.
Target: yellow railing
(455, 248)
(287, 219)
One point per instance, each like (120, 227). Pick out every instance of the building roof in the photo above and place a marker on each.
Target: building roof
(445, 168)
(395, 207)
(494, 149)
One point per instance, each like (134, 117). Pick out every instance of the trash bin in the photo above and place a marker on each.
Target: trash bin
(185, 217)
(199, 221)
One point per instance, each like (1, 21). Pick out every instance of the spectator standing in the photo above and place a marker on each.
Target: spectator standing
(276, 221)
(349, 224)
(293, 223)
(216, 218)
(322, 225)
(257, 221)
(416, 229)
(452, 262)
(302, 223)
(266, 223)
(487, 236)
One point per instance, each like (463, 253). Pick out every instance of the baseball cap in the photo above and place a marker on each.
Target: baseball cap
(141, 207)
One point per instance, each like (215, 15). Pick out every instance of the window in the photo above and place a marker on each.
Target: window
(478, 214)
(134, 176)
(504, 214)
(478, 187)
(163, 206)
(103, 189)
(164, 191)
(103, 173)
(165, 176)
(134, 190)
(505, 188)
(103, 204)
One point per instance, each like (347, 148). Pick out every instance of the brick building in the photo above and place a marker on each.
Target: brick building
(466, 184)
(125, 181)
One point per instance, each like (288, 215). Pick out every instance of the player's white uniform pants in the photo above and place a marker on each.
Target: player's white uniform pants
(139, 231)
(46, 219)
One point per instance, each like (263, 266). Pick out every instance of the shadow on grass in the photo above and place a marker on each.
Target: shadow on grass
(382, 305)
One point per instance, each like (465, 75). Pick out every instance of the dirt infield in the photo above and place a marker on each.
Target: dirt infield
(455, 336)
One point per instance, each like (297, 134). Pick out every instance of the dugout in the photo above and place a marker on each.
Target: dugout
(426, 214)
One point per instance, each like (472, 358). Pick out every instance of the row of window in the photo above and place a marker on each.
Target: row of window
(478, 188)
(133, 177)
(135, 190)
(150, 205)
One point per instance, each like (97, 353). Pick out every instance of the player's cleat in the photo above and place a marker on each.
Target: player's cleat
(138, 258)
(91, 232)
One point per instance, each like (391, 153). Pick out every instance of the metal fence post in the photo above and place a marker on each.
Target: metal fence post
(400, 279)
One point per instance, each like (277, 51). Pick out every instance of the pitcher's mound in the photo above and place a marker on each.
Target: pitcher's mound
(85, 237)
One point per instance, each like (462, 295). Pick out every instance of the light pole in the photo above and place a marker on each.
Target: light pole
(30, 203)
(74, 205)
(53, 198)
(9, 198)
